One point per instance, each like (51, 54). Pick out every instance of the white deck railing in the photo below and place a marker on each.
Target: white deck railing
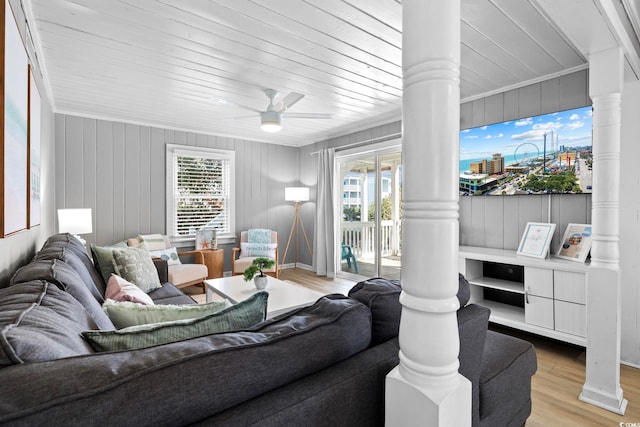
(361, 237)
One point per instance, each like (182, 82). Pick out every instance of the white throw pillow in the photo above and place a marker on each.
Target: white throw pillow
(170, 255)
(258, 250)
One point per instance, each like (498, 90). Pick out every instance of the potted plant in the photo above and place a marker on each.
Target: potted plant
(259, 264)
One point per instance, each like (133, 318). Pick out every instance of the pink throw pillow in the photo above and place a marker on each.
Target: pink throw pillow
(119, 289)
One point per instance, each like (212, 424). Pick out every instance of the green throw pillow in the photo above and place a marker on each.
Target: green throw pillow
(135, 265)
(126, 313)
(103, 260)
(243, 315)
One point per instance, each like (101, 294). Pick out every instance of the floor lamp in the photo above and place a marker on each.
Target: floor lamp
(296, 195)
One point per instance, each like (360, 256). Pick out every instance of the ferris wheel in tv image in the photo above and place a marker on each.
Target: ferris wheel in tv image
(526, 153)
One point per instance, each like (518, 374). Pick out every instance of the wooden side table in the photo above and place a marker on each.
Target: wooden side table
(214, 260)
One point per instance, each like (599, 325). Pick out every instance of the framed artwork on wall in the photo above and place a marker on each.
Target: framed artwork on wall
(536, 239)
(34, 152)
(576, 243)
(13, 145)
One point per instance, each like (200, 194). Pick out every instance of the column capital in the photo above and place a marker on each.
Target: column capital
(606, 72)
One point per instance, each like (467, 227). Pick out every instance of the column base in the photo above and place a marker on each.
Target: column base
(411, 405)
(613, 403)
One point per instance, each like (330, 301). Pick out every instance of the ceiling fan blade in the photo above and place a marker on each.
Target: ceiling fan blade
(307, 115)
(235, 104)
(289, 100)
(232, 119)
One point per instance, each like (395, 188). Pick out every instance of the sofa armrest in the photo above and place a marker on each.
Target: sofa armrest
(473, 321)
(163, 269)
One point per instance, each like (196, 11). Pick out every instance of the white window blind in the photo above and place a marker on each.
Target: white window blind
(201, 190)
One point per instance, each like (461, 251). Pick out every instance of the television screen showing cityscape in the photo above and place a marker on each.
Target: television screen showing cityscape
(545, 154)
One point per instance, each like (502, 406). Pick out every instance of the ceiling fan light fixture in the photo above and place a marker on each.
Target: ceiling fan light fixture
(271, 121)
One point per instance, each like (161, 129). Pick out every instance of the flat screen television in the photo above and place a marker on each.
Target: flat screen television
(546, 154)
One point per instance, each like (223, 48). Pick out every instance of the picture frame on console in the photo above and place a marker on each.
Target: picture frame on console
(536, 240)
(576, 243)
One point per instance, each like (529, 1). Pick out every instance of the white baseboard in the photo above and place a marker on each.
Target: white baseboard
(293, 265)
(633, 365)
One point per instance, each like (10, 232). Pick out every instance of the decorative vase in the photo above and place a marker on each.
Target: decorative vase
(260, 282)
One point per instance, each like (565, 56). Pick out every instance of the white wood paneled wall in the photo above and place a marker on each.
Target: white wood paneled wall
(118, 170)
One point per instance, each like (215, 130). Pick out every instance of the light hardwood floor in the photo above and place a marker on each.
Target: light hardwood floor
(555, 386)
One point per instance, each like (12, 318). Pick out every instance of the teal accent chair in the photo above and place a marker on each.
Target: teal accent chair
(347, 254)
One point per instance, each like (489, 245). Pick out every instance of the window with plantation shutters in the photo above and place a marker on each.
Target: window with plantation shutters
(200, 190)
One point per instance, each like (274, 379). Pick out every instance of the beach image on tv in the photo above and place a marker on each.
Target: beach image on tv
(545, 154)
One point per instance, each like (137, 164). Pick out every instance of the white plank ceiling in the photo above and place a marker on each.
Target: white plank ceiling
(159, 62)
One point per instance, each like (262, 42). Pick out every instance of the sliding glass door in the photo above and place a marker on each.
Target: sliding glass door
(371, 207)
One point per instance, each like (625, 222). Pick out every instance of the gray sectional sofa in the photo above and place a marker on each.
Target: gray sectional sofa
(322, 365)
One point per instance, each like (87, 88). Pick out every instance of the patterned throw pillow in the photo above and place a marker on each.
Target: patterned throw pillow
(240, 316)
(258, 250)
(170, 255)
(152, 242)
(135, 266)
(125, 314)
(118, 289)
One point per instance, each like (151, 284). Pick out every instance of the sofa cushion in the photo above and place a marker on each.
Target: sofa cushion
(119, 289)
(246, 313)
(382, 298)
(125, 314)
(66, 278)
(59, 251)
(135, 265)
(185, 273)
(40, 322)
(71, 243)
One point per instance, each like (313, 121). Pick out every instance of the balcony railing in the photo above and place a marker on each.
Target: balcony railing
(360, 236)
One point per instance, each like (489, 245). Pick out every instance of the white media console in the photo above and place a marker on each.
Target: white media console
(543, 296)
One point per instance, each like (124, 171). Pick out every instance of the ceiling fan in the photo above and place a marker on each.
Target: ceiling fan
(271, 118)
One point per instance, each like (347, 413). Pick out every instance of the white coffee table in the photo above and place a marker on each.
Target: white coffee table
(283, 296)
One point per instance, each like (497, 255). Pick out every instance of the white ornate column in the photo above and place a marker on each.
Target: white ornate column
(425, 388)
(602, 386)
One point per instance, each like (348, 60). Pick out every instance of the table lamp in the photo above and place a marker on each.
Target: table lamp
(75, 221)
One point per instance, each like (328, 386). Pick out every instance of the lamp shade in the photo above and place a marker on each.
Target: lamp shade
(74, 221)
(296, 194)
